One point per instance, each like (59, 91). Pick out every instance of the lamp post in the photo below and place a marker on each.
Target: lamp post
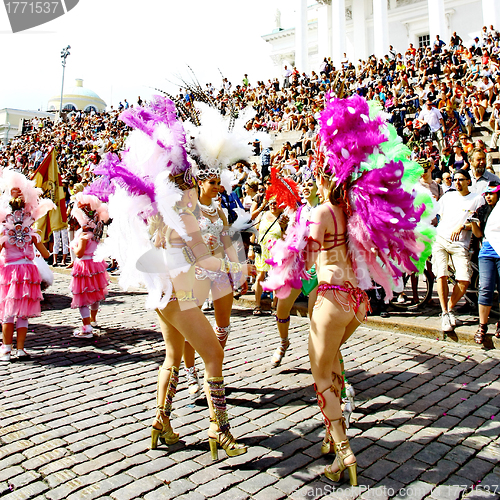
(64, 55)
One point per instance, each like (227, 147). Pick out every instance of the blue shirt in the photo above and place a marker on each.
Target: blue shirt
(488, 251)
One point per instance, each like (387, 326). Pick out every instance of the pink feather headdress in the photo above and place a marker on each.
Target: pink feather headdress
(89, 210)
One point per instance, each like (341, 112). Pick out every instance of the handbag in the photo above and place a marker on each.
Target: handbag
(257, 247)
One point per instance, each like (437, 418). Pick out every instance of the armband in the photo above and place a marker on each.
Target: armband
(188, 255)
(207, 252)
(229, 267)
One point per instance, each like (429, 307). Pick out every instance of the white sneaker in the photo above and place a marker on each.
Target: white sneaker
(5, 354)
(446, 325)
(93, 324)
(85, 332)
(454, 320)
(347, 412)
(401, 298)
(193, 381)
(208, 305)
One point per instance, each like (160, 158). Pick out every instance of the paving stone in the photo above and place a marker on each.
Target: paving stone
(370, 455)
(97, 463)
(64, 490)
(257, 483)
(59, 477)
(151, 467)
(137, 488)
(414, 491)
(409, 471)
(411, 426)
(29, 491)
(460, 454)
(475, 469)
(404, 452)
(100, 488)
(432, 453)
(218, 486)
(447, 492)
(380, 469)
(24, 479)
(440, 472)
(270, 493)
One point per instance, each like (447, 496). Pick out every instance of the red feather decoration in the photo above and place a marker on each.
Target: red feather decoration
(285, 190)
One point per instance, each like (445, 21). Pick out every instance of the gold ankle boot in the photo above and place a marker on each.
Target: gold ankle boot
(343, 450)
(165, 393)
(219, 433)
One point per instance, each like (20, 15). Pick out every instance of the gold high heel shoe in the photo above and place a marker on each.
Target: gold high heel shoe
(219, 426)
(165, 392)
(343, 450)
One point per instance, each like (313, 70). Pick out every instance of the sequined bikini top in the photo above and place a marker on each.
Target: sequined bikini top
(209, 228)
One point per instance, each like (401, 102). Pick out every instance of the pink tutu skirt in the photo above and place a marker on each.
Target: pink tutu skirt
(20, 292)
(89, 282)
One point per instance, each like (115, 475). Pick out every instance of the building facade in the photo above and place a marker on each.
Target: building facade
(11, 121)
(359, 28)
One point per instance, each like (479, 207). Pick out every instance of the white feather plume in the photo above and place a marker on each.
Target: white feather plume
(215, 144)
(167, 194)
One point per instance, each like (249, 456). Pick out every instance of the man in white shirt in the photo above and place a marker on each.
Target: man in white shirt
(453, 240)
(287, 73)
(432, 116)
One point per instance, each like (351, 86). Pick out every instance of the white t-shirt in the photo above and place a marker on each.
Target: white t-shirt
(454, 210)
(432, 117)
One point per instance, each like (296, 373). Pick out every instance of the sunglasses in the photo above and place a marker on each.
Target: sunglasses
(460, 179)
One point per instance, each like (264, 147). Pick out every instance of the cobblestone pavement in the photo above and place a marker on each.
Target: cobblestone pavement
(75, 421)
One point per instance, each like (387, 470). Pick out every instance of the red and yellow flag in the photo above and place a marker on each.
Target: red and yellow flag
(48, 178)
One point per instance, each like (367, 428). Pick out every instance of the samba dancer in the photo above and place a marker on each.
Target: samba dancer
(151, 191)
(365, 228)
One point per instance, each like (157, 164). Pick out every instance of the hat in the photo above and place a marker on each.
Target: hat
(425, 163)
(493, 187)
(457, 144)
(464, 173)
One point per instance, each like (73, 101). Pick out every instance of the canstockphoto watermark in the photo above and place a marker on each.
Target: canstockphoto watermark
(409, 492)
(26, 15)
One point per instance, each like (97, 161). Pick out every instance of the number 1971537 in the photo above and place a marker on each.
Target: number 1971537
(31, 7)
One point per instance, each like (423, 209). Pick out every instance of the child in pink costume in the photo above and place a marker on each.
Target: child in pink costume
(20, 292)
(89, 281)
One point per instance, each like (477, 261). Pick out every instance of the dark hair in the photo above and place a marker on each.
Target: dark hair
(464, 173)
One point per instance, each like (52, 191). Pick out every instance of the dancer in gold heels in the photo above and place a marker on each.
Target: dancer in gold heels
(339, 309)
(363, 229)
(152, 194)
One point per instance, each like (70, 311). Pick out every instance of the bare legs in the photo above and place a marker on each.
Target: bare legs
(191, 325)
(443, 290)
(261, 276)
(331, 326)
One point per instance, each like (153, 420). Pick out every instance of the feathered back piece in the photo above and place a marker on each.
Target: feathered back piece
(348, 136)
(284, 189)
(355, 150)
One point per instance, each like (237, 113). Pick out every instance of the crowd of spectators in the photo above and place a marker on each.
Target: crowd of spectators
(439, 97)
(80, 140)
